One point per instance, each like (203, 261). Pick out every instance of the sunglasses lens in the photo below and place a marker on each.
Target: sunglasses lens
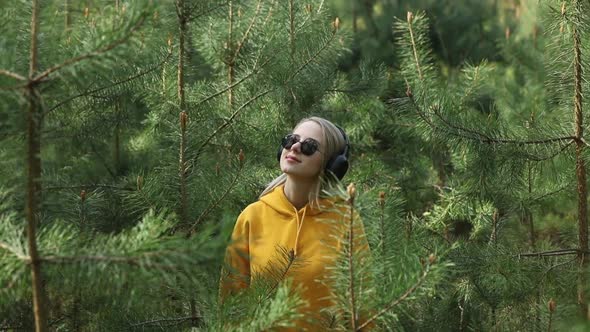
(288, 141)
(308, 147)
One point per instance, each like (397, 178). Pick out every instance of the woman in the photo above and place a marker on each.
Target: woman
(292, 215)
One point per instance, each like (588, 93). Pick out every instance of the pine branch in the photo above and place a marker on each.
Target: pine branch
(12, 250)
(560, 264)
(266, 19)
(102, 160)
(175, 321)
(487, 139)
(410, 18)
(480, 137)
(220, 92)
(11, 74)
(216, 203)
(89, 186)
(551, 156)
(313, 57)
(404, 296)
(281, 278)
(132, 261)
(245, 36)
(93, 54)
(191, 16)
(128, 79)
(228, 121)
(558, 252)
(15, 278)
(549, 194)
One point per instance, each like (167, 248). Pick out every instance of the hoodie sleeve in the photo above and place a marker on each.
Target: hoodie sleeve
(235, 273)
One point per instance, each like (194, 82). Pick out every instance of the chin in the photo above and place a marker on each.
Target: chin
(300, 175)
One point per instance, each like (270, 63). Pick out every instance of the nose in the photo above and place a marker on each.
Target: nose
(296, 147)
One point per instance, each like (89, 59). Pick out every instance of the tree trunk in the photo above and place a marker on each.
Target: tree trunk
(581, 178)
(183, 22)
(117, 152)
(68, 15)
(230, 59)
(34, 177)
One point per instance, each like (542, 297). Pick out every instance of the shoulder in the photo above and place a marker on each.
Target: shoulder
(251, 211)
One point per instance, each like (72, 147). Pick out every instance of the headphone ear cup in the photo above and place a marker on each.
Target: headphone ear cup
(338, 166)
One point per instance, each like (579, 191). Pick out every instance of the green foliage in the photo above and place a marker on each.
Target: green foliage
(460, 117)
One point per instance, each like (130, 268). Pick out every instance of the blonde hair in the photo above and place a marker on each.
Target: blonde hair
(334, 142)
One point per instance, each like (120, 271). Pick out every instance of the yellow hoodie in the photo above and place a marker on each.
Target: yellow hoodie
(313, 235)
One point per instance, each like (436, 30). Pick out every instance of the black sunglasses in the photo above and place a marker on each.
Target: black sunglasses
(308, 147)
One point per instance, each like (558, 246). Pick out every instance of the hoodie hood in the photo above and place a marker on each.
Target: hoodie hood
(277, 200)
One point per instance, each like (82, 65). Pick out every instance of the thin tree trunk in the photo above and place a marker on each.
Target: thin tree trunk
(528, 215)
(117, 152)
(68, 15)
(581, 177)
(182, 170)
(291, 29)
(354, 14)
(291, 102)
(494, 235)
(527, 219)
(230, 63)
(353, 312)
(440, 158)
(182, 20)
(34, 177)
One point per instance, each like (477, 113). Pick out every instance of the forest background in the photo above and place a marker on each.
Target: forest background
(134, 132)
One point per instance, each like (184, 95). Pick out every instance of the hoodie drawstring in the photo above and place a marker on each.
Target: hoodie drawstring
(299, 225)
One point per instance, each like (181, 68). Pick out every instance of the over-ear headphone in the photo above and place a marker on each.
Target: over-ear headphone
(338, 163)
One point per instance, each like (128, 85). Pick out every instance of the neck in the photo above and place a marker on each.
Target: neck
(297, 191)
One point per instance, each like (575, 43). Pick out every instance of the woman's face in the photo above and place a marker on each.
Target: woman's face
(294, 163)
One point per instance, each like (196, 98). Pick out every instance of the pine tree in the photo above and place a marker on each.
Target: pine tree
(503, 153)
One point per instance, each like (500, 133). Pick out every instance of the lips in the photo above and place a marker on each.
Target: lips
(292, 158)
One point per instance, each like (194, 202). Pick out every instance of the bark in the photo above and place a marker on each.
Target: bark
(117, 152)
(353, 311)
(68, 15)
(581, 178)
(354, 15)
(183, 26)
(182, 170)
(34, 176)
(291, 29)
(231, 58)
